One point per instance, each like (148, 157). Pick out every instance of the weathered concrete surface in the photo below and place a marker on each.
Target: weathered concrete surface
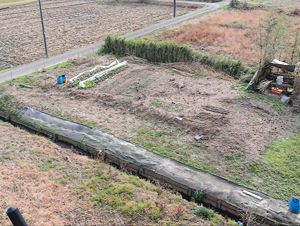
(220, 193)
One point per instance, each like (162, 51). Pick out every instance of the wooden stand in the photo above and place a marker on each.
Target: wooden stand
(297, 85)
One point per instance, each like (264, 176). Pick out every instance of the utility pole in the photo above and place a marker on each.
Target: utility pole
(174, 8)
(43, 29)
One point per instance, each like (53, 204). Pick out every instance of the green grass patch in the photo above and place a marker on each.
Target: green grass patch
(166, 145)
(276, 173)
(47, 165)
(279, 169)
(66, 64)
(204, 212)
(26, 79)
(10, 104)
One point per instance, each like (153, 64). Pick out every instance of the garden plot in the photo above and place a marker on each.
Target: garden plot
(194, 115)
(99, 73)
(70, 25)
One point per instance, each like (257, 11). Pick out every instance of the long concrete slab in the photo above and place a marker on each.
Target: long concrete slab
(44, 63)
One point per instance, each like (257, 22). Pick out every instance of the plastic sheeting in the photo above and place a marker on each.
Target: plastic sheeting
(283, 65)
(226, 194)
(54, 125)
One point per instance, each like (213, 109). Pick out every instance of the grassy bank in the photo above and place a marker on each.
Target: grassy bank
(56, 186)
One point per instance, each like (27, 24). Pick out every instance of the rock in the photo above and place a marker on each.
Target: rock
(172, 79)
(197, 138)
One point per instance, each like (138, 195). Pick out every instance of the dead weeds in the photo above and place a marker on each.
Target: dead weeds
(53, 186)
(233, 33)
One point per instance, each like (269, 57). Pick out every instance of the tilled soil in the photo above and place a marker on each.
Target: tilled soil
(175, 101)
(70, 25)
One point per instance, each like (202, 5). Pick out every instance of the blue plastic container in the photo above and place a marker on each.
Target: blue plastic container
(60, 80)
(64, 78)
(295, 205)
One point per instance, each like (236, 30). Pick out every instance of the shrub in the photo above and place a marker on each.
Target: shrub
(204, 212)
(170, 52)
(154, 52)
(198, 195)
(239, 4)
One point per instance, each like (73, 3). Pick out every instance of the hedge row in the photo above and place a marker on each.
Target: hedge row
(170, 52)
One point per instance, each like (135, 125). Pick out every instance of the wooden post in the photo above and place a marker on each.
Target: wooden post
(296, 90)
(297, 85)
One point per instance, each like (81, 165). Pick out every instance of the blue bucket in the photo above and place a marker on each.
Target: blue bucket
(60, 80)
(295, 205)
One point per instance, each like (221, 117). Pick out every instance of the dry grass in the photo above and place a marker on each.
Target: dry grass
(233, 33)
(53, 186)
(4, 3)
(296, 11)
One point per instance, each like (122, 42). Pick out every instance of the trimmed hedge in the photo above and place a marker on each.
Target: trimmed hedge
(154, 52)
(171, 52)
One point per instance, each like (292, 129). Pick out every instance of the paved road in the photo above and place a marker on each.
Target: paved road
(44, 63)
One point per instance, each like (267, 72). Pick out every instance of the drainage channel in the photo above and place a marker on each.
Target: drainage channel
(226, 197)
(82, 152)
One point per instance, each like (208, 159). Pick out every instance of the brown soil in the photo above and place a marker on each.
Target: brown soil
(70, 25)
(150, 96)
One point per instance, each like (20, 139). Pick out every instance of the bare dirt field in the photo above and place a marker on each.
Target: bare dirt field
(70, 25)
(54, 186)
(163, 107)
